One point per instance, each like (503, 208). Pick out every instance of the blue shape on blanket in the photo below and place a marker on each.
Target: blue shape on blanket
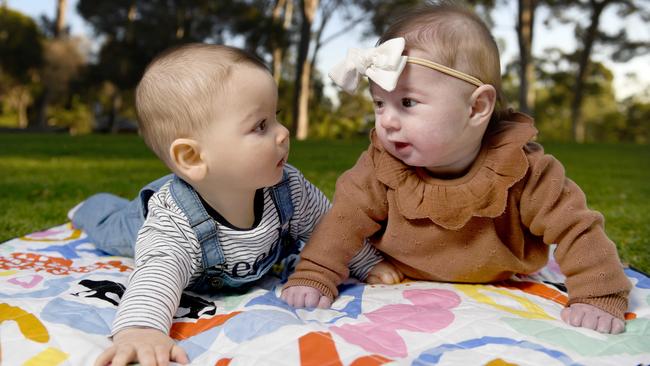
(643, 280)
(351, 310)
(255, 323)
(70, 251)
(90, 319)
(432, 356)
(51, 288)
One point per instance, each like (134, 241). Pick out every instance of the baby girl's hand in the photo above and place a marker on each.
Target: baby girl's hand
(384, 273)
(305, 297)
(591, 317)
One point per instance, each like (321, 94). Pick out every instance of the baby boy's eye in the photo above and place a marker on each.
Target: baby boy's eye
(261, 127)
(408, 102)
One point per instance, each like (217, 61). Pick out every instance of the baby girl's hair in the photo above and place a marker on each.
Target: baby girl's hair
(454, 36)
(178, 94)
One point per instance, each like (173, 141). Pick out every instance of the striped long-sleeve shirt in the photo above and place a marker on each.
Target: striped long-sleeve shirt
(168, 254)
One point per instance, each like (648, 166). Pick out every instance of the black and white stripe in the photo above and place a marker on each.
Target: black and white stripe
(168, 255)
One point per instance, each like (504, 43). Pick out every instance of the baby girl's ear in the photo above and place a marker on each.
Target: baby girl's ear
(185, 156)
(483, 100)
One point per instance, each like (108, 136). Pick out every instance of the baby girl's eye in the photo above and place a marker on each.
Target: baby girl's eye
(408, 102)
(378, 103)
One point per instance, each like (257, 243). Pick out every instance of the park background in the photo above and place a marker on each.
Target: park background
(68, 69)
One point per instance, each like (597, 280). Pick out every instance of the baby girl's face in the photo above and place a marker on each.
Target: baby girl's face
(424, 121)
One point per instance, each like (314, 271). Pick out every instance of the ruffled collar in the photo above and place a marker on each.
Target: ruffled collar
(481, 192)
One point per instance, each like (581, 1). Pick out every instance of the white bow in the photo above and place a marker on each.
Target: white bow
(382, 65)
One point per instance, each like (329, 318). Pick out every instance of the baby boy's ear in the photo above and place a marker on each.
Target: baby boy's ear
(483, 100)
(185, 156)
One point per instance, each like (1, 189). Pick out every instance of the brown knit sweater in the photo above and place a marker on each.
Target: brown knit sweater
(493, 222)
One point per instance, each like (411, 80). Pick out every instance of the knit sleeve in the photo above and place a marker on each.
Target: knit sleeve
(358, 211)
(555, 208)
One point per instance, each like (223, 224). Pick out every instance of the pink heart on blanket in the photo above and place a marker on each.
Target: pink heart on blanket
(429, 313)
(35, 279)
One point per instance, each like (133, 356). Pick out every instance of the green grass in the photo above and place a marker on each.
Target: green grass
(42, 176)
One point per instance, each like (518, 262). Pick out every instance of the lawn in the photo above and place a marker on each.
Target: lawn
(44, 175)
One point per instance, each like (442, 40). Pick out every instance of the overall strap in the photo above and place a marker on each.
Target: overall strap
(281, 194)
(201, 222)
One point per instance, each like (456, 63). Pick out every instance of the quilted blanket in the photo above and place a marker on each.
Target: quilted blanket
(58, 296)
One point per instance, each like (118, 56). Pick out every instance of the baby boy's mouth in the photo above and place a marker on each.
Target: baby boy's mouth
(282, 161)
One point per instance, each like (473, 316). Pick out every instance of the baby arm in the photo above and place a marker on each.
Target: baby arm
(305, 297)
(147, 345)
(385, 273)
(555, 209)
(360, 206)
(144, 317)
(591, 317)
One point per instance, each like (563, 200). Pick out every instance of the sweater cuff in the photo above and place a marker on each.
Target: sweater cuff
(325, 290)
(615, 304)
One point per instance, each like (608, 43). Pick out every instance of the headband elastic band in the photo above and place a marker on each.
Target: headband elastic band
(446, 70)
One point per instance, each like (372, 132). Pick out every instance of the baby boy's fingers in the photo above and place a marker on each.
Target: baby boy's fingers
(178, 355)
(147, 356)
(105, 357)
(162, 354)
(123, 356)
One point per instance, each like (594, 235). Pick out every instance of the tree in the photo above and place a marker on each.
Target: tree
(589, 36)
(525, 26)
(53, 61)
(22, 55)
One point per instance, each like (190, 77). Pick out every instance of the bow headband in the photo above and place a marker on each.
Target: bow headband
(383, 65)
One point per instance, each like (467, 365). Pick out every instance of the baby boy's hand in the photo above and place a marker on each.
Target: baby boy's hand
(148, 346)
(305, 297)
(591, 317)
(385, 273)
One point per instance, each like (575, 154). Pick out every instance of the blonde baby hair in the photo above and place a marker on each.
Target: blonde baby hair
(179, 92)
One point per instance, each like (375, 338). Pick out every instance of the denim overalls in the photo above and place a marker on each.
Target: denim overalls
(113, 223)
(213, 276)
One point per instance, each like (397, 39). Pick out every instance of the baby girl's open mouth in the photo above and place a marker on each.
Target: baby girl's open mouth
(401, 145)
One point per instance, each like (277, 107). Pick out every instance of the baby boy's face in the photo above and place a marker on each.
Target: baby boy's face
(246, 146)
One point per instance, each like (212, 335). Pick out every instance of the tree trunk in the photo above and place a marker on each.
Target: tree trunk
(116, 105)
(578, 125)
(40, 121)
(303, 116)
(277, 51)
(525, 25)
(300, 126)
(60, 18)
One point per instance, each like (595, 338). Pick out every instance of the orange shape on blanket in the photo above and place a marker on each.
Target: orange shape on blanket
(29, 325)
(223, 362)
(538, 289)
(318, 348)
(184, 330)
(371, 360)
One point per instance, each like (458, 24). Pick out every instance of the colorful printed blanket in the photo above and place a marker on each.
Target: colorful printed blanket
(58, 296)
